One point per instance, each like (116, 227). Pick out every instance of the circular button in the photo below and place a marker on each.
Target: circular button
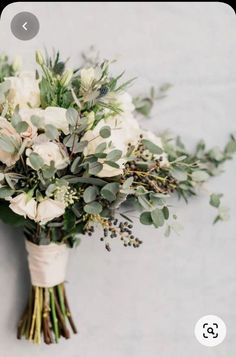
(25, 26)
(210, 331)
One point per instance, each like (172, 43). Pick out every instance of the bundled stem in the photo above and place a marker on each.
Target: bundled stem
(47, 314)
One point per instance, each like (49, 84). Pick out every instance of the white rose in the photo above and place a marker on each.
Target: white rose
(24, 205)
(51, 115)
(49, 209)
(48, 151)
(24, 90)
(157, 141)
(124, 130)
(57, 117)
(7, 130)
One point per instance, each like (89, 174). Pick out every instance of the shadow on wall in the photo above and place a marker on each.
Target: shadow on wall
(13, 249)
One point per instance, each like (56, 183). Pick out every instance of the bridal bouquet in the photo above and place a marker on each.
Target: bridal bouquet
(75, 160)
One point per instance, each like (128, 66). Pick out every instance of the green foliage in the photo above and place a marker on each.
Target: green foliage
(153, 148)
(9, 217)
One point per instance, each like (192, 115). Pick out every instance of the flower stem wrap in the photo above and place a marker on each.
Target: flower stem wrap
(47, 312)
(47, 263)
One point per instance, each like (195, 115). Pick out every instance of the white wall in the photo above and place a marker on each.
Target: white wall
(143, 302)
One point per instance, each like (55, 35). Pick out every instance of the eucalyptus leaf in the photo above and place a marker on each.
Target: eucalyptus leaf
(105, 132)
(112, 164)
(36, 161)
(51, 132)
(93, 208)
(6, 192)
(146, 218)
(109, 191)
(72, 116)
(128, 182)
(21, 127)
(158, 217)
(37, 121)
(101, 147)
(153, 148)
(114, 155)
(90, 194)
(95, 168)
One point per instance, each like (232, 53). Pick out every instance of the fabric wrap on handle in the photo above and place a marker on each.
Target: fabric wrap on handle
(47, 263)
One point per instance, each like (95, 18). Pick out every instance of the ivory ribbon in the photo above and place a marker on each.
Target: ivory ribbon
(47, 263)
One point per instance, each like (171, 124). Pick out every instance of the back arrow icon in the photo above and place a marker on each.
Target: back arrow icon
(24, 26)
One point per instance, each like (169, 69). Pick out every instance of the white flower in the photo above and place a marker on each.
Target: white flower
(57, 117)
(157, 141)
(24, 205)
(48, 151)
(125, 103)
(51, 115)
(48, 209)
(7, 130)
(124, 130)
(24, 90)
(88, 76)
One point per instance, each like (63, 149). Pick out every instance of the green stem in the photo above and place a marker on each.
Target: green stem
(54, 316)
(61, 300)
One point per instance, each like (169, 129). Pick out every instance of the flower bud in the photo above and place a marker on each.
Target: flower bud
(17, 63)
(39, 58)
(66, 78)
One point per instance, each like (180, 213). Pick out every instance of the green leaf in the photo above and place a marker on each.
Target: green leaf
(37, 121)
(114, 155)
(109, 191)
(105, 132)
(21, 127)
(179, 175)
(153, 148)
(101, 147)
(72, 116)
(165, 211)
(90, 194)
(158, 217)
(200, 176)
(128, 183)
(90, 180)
(146, 218)
(36, 161)
(112, 164)
(74, 166)
(93, 208)
(6, 192)
(100, 155)
(16, 119)
(9, 217)
(231, 147)
(79, 146)
(95, 168)
(49, 171)
(69, 220)
(215, 199)
(6, 145)
(51, 132)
